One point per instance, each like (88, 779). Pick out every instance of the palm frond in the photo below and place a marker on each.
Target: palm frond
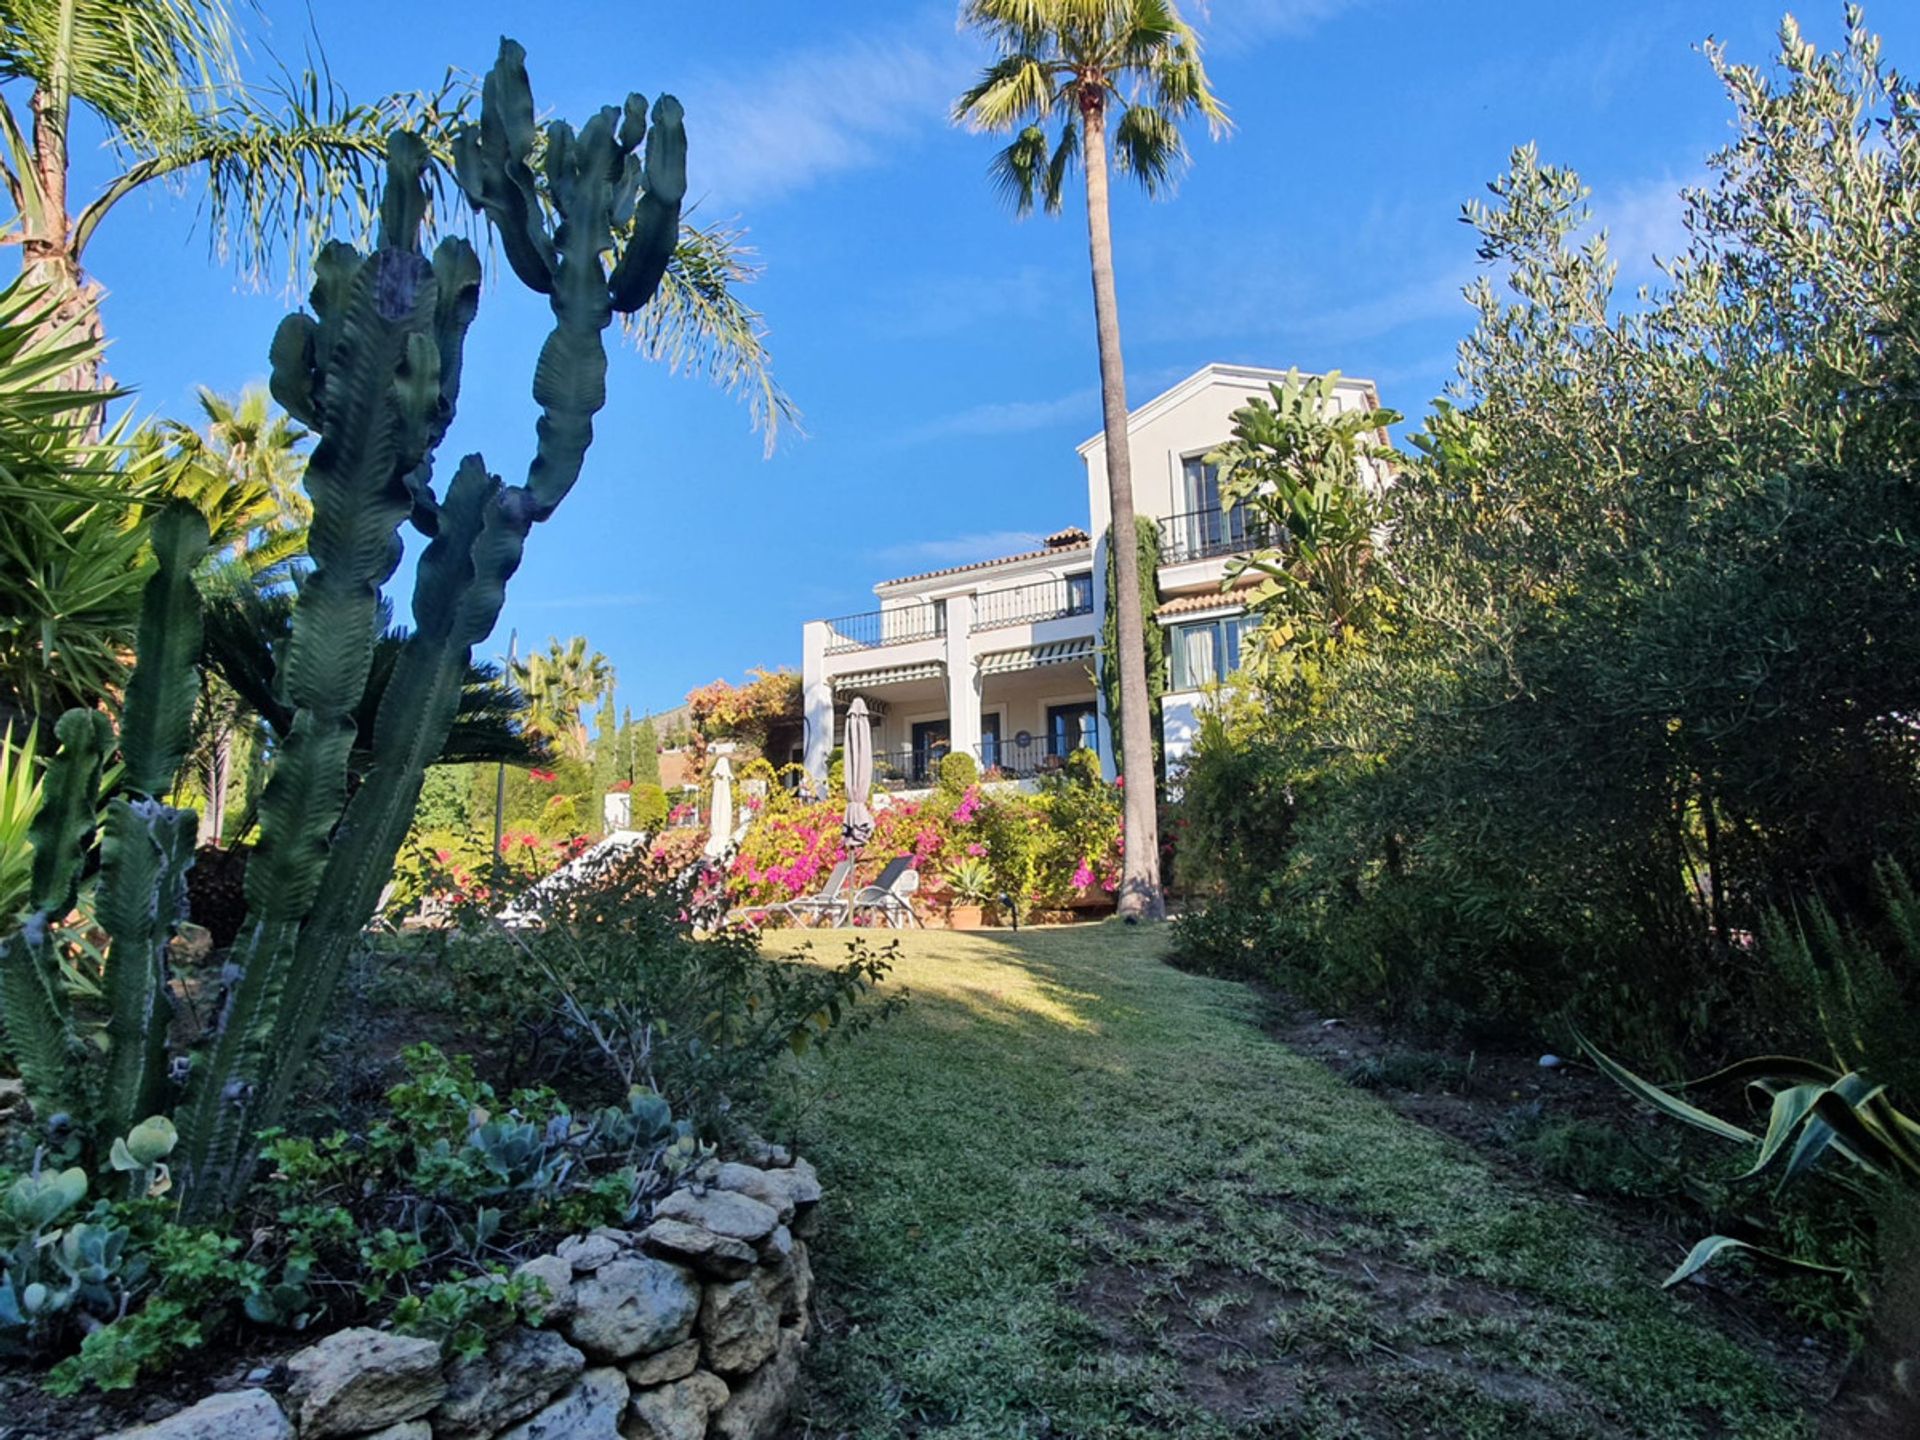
(1014, 88)
(286, 166)
(699, 323)
(1020, 171)
(1148, 146)
(139, 67)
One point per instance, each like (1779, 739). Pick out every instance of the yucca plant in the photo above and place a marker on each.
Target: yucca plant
(19, 802)
(374, 372)
(1814, 1111)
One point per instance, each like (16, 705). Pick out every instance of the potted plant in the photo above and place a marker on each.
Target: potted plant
(969, 886)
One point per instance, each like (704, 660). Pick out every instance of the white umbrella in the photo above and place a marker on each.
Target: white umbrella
(720, 822)
(858, 828)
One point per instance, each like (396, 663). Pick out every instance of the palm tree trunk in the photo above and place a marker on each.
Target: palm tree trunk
(46, 248)
(1140, 895)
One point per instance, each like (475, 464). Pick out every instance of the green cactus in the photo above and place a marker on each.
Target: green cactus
(393, 372)
(145, 849)
(374, 370)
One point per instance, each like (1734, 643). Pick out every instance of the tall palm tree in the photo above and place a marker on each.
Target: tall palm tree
(283, 164)
(1077, 65)
(559, 686)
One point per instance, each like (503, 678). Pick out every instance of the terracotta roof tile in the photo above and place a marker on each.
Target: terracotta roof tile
(1051, 549)
(1211, 600)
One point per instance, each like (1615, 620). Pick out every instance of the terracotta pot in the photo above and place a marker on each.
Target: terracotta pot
(964, 917)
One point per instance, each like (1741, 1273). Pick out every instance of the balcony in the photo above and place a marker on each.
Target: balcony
(875, 628)
(1031, 604)
(1007, 759)
(1205, 534)
(917, 767)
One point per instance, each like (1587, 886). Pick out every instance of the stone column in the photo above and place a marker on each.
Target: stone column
(963, 690)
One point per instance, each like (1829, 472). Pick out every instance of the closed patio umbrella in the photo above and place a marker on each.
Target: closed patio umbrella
(720, 827)
(858, 828)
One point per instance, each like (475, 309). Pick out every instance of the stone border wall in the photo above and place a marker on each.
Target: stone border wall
(692, 1328)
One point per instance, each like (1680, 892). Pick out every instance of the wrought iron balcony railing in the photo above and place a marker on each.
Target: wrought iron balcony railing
(1008, 759)
(1203, 534)
(1029, 604)
(875, 628)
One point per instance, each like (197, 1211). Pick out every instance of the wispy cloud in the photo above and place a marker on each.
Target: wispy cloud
(1645, 223)
(1243, 24)
(1010, 417)
(961, 549)
(855, 103)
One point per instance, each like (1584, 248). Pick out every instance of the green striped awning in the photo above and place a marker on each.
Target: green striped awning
(1032, 657)
(892, 675)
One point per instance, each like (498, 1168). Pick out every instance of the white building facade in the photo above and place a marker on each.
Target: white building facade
(999, 659)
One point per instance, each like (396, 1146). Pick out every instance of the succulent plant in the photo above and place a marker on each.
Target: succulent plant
(374, 370)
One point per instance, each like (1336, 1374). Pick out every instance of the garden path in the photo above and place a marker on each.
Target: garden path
(1074, 1192)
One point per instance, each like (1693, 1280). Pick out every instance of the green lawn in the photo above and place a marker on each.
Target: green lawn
(1073, 1192)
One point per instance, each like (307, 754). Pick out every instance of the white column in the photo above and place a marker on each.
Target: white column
(816, 692)
(963, 695)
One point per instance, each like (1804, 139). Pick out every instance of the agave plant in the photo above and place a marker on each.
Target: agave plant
(1814, 1111)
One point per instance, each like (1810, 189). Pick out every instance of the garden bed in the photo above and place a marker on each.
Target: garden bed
(694, 1326)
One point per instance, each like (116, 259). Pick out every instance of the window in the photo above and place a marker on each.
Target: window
(1207, 529)
(1070, 728)
(1203, 483)
(1080, 593)
(1206, 652)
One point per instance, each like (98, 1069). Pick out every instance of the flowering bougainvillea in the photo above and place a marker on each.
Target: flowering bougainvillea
(1042, 847)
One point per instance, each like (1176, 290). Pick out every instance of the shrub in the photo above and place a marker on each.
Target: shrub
(957, 771)
(649, 807)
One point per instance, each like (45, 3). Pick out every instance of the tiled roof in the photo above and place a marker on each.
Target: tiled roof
(1212, 600)
(1051, 549)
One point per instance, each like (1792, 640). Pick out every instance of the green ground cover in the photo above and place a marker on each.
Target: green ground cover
(1075, 1192)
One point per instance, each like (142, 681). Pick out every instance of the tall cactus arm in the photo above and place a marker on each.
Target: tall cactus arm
(145, 853)
(656, 216)
(456, 275)
(40, 1029)
(158, 714)
(471, 555)
(371, 379)
(490, 165)
(62, 830)
(147, 847)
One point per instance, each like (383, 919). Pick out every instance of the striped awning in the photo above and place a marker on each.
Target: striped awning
(1032, 657)
(892, 675)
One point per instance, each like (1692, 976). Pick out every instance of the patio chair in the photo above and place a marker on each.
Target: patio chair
(830, 900)
(890, 895)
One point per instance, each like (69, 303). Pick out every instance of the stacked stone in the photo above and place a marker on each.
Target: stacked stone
(692, 1329)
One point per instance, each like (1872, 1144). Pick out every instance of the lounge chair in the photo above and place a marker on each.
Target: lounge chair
(830, 900)
(889, 896)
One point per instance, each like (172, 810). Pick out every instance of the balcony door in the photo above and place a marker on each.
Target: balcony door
(931, 741)
(1070, 728)
(1208, 530)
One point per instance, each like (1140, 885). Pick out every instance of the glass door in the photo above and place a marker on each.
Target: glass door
(1070, 728)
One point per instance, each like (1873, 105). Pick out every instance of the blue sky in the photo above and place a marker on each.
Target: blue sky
(942, 351)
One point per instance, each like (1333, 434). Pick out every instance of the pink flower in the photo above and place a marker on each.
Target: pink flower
(1083, 877)
(976, 849)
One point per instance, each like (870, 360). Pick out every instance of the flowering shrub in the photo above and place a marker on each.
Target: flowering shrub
(1039, 848)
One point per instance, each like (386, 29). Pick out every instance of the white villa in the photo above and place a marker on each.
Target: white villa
(998, 658)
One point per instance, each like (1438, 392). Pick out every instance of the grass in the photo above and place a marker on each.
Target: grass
(1074, 1192)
